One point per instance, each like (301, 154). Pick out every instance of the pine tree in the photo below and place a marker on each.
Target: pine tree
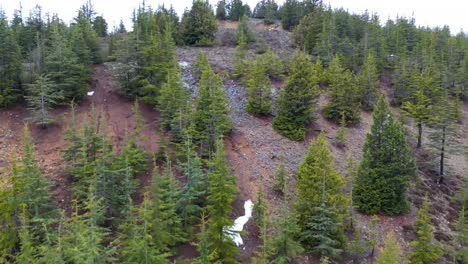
(32, 190)
(198, 26)
(341, 133)
(420, 110)
(260, 215)
(211, 112)
(193, 193)
(344, 95)
(446, 130)
(241, 64)
(202, 244)
(298, 102)
(70, 78)
(84, 237)
(321, 232)
(172, 99)
(28, 249)
(373, 234)
(317, 183)
(356, 247)
(259, 91)
(42, 95)
(386, 167)
(221, 10)
(9, 211)
(368, 81)
(281, 178)
(135, 238)
(424, 249)
(100, 26)
(243, 31)
(284, 244)
(166, 223)
(221, 193)
(10, 64)
(391, 251)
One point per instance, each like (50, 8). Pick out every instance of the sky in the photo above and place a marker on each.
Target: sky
(426, 12)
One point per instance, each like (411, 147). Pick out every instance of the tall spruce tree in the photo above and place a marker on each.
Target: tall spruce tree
(259, 91)
(10, 64)
(284, 245)
(420, 110)
(166, 223)
(298, 101)
(198, 26)
(344, 94)
(424, 248)
(368, 81)
(391, 251)
(386, 167)
(211, 112)
(193, 193)
(318, 195)
(135, 238)
(221, 193)
(42, 95)
(32, 190)
(172, 99)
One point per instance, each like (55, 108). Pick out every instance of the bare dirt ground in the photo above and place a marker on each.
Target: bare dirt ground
(116, 113)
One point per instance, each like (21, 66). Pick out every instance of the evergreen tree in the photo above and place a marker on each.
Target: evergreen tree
(221, 10)
(236, 9)
(446, 130)
(172, 99)
(9, 208)
(373, 234)
(284, 244)
(193, 193)
(84, 238)
(159, 61)
(241, 64)
(344, 95)
(135, 238)
(386, 167)
(424, 249)
(166, 224)
(341, 133)
(100, 26)
(323, 231)
(32, 190)
(259, 91)
(42, 95)
(391, 251)
(211, 112)
(203, 242)
(298, 102)
(243, 30)
(10, 64)
(368, 81)
(281, 178)
(420, 110)
(221, 193)
(317, 183)
(356, 247)
(198, 26)
(61, 64)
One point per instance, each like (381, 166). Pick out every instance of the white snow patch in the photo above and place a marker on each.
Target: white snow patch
(183, 64)
(234, 231)
(91, 93)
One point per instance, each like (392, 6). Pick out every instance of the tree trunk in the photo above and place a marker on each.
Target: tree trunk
(442, 154)
(419, 135)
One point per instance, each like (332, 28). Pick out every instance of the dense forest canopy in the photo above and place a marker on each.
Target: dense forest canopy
(389, 95)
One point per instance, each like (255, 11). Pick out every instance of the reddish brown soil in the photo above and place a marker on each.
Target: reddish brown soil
(116, 113)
